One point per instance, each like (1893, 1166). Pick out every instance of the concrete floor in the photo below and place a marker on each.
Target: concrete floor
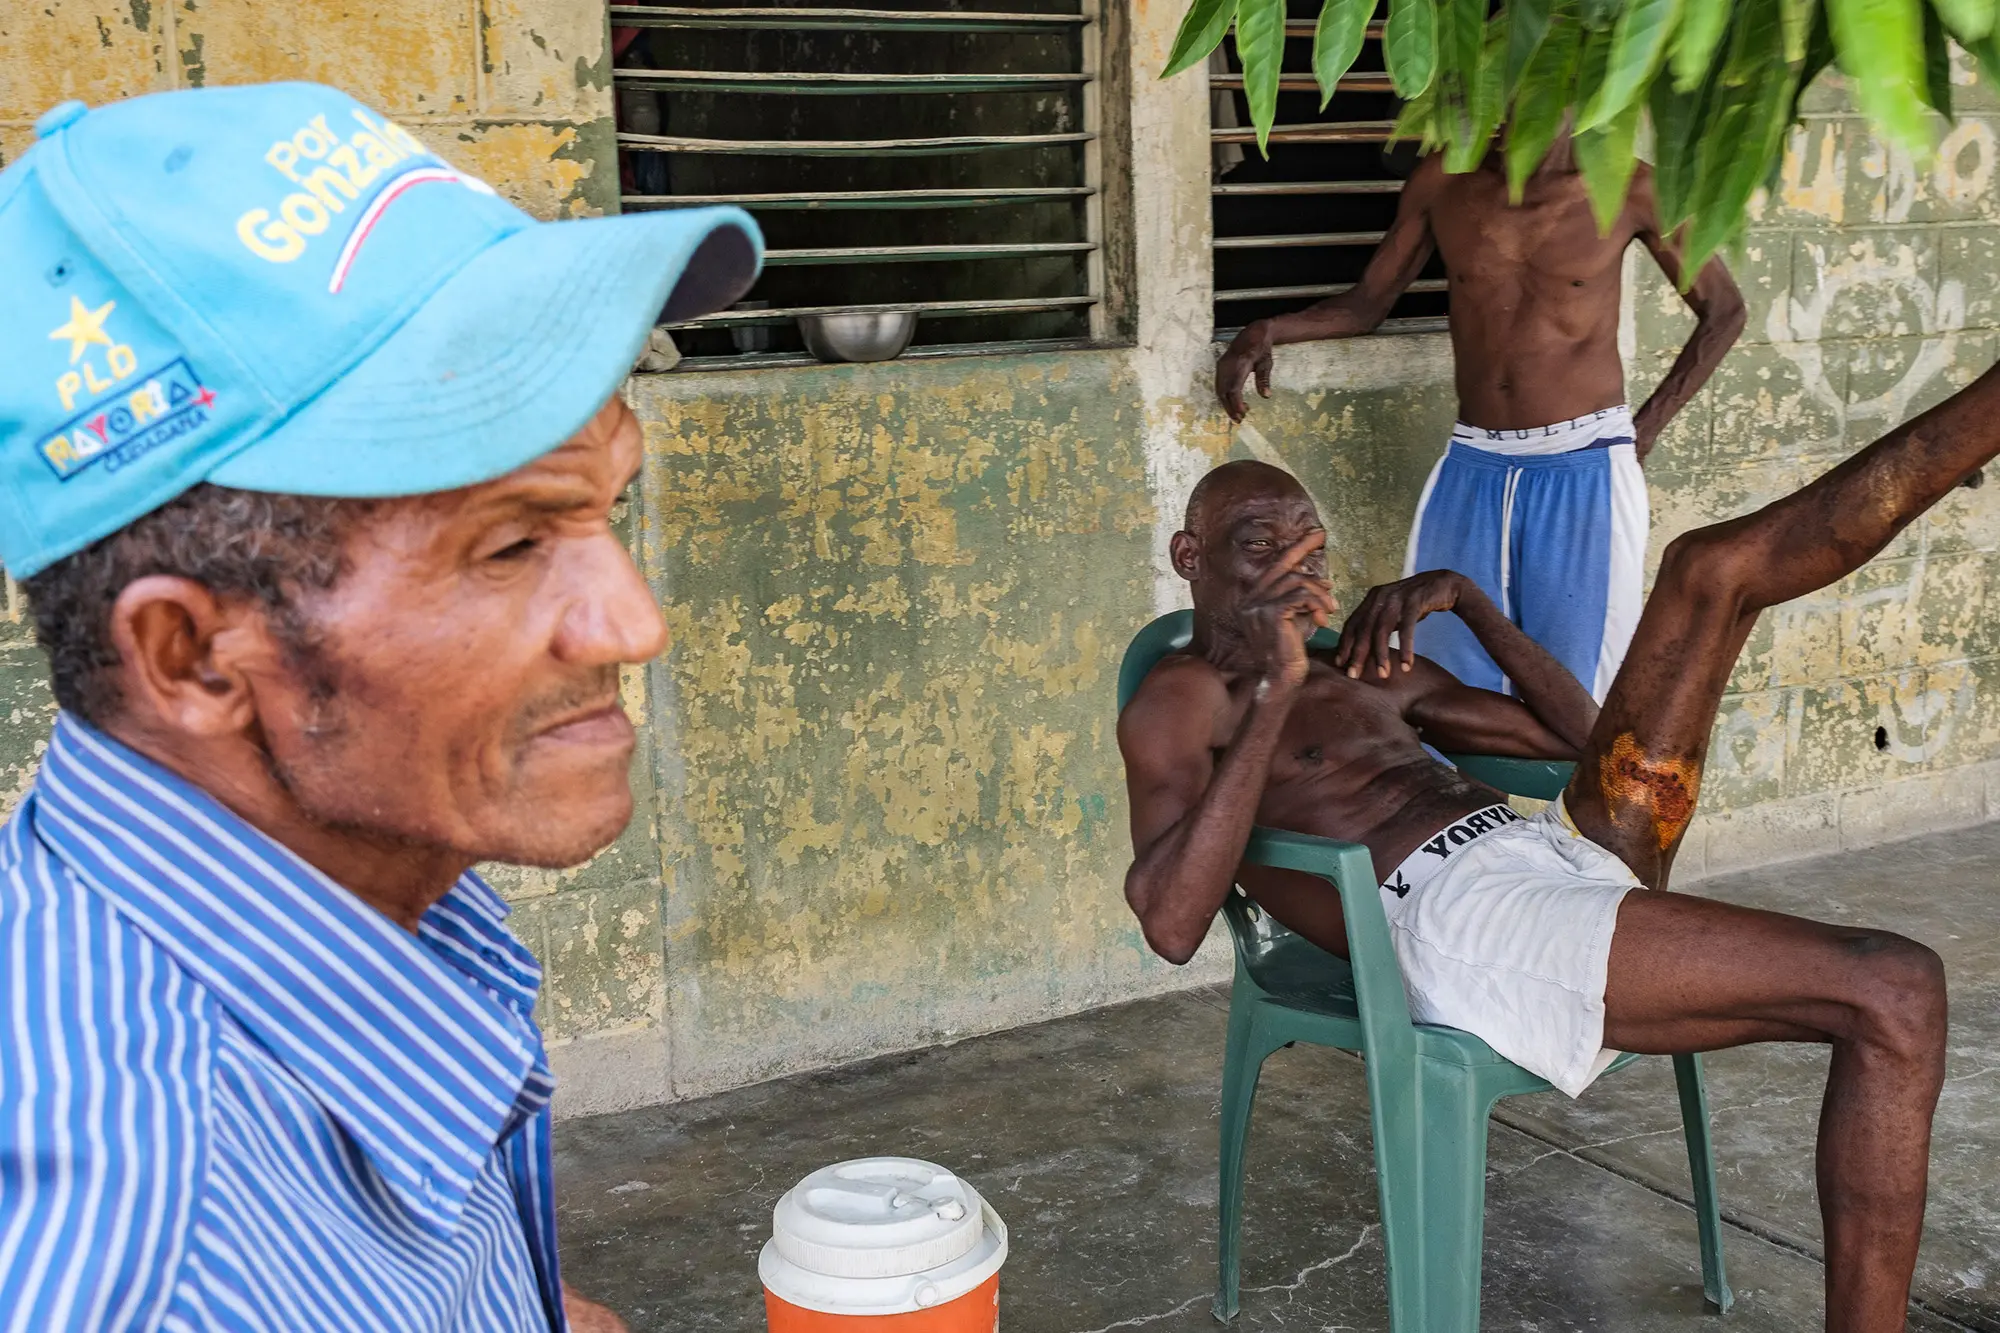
(1095, 1139)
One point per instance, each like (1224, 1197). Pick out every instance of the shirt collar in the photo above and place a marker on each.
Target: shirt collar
(419, 1046)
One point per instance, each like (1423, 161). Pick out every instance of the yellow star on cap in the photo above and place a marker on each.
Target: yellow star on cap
(84, 328)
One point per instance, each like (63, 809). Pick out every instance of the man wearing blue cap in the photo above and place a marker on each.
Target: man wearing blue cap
(308, 451)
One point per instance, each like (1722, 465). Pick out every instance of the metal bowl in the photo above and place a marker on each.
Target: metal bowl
(872, 337)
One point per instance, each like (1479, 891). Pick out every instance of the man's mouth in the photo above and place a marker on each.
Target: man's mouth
(602, 724)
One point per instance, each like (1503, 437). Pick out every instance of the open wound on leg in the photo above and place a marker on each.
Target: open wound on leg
(1664, 788)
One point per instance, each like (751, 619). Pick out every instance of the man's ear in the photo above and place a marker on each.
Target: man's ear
(1185, 553)
(183, 654)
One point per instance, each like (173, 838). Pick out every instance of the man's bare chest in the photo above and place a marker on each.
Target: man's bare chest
(1549, 244)
(1334, 726)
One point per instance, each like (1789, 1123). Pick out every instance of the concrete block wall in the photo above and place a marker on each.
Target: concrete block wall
(881, 803)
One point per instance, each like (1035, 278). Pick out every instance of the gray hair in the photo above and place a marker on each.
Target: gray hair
(237, 544)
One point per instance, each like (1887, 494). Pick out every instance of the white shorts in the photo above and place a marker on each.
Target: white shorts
(1502, 925)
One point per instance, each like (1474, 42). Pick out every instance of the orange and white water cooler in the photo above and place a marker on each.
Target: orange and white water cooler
(883, 1245)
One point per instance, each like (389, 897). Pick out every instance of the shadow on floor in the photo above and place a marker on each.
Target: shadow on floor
(1094, 1137)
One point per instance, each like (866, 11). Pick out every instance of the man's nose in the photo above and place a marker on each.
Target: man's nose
(610, 614)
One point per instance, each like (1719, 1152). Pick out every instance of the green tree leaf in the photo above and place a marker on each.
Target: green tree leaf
(1460, 24)
(1881, 49)
(1337, 40)
(1528, 23)
(1260, 45)
(1986, 50)
(1592, 64)
(1418, 120)
(1638, 45)
(1818, 55)
(1541, 102)
(1967, 20)
(1703, 25)
(1937, 65)
(1409, 46)
(1678, 118)
(1751, 111)
(1485, 100)
(1796, 18)
(1201, 31)
(1606, 157)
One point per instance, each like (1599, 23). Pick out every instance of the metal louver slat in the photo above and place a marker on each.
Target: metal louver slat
(841, 20)
(965, 143)
(861, 199)
(796, 82)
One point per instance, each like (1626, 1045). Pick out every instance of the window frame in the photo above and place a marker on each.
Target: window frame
(1101, 315)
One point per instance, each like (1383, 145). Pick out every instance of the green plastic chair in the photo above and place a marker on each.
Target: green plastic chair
(1430, 1089)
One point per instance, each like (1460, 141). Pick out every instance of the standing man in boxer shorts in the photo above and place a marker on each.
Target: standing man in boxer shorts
(1538, 498)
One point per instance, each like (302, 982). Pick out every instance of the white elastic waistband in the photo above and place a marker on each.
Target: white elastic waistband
(1613, 425)
(1420, 866)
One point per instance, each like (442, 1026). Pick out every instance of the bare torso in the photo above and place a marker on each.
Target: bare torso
(1349, 767)
(1534, 298)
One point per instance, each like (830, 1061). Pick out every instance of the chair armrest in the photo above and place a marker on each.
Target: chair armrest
(1543, 779)
(1378, 979)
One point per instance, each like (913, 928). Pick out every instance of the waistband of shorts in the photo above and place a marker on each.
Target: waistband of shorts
(1436, 851)
(1593, 430)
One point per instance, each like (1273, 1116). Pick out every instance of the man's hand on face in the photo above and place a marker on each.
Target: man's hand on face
(1283, 608)
(589, 1317)
(1249, 353)
(1393, 608)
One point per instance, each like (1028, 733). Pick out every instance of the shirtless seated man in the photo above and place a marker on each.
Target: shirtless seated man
(1539, 935)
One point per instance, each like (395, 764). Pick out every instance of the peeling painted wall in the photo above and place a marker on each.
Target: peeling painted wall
(515, 91)
(880, 800)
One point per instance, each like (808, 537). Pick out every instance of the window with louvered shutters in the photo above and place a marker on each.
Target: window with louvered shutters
(912, 154)
(1301, 226)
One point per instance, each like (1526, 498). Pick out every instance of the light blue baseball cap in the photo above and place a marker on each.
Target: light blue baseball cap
(276, 288)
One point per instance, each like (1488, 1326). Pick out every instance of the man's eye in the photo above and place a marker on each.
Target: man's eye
(514, 550)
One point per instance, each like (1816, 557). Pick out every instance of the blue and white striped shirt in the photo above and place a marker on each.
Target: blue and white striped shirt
(233, 1096)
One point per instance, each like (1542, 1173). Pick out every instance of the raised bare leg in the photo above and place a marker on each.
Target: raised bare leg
(1687, 974)
(1635, 788)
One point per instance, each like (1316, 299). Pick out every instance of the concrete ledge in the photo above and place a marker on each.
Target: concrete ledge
(613, 1072)
(1771, 832)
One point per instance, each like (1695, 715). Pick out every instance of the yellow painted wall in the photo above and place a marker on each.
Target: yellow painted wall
(515, 91)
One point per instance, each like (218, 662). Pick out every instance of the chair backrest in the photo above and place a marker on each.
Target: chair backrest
(1168, 634)
(1542, 779)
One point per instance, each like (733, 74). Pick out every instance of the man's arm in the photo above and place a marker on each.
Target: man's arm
(1718, 312)
(1552, 718)
(1192, 813)
(1404, 250)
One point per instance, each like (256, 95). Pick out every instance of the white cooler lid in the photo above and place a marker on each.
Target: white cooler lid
(878, 1217)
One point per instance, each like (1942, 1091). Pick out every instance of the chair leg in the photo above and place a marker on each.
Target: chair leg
(1429, 1125)
(1434, 1206)
(1701, 1168)
(1242, 1062)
